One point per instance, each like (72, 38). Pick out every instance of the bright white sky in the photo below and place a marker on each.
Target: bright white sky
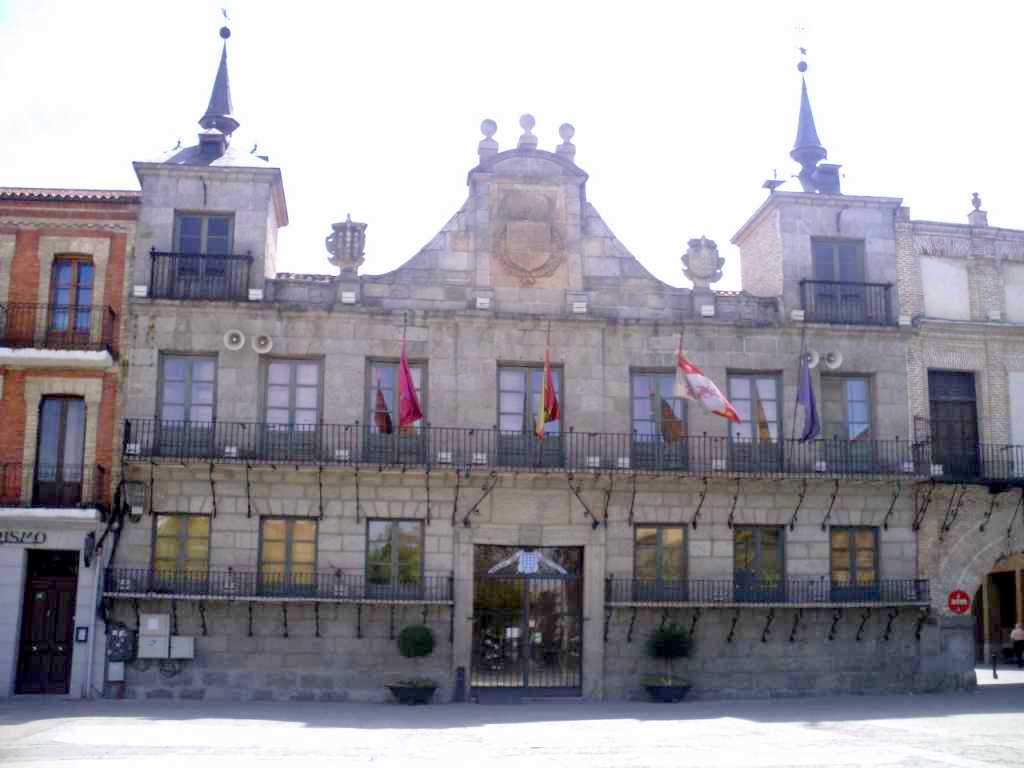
(373, 107)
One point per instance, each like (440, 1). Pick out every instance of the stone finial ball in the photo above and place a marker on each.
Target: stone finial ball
(488, 128)
(526, 122)
(225, 32)
(802, 66)
(566, 131)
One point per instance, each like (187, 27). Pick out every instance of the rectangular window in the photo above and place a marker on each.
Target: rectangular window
(758, 563)
(854, 556)
(756, 442)
(202, 234)
(394, 557)
(60, 451)
(659, 562)
(659, 421)
(953, 415)
(846, 407)
(838, 261)
(71, 283)
(287, 555)
(293, 393)
(182, 544)
(384, 376)
(188, 386)
(519, 392)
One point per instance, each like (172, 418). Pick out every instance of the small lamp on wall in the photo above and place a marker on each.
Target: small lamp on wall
(135, 500)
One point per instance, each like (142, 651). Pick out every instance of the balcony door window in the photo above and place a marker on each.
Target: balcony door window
(200, 234)
(838, 261)
(659, 562)
(756, 399)
(758, 562)
(292, 414)
(846, 408)
(182, 546)
(187, 388)
(658, 420)
(71, 285)
(384, 377)
(519, 392)
(854, 559)
(287, 555)
(60, 453)
(954, 423)
(394, 556)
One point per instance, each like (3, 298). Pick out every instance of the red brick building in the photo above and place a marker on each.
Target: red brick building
(63, 254)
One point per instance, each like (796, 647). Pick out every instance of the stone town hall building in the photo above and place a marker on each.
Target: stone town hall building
(265, 536)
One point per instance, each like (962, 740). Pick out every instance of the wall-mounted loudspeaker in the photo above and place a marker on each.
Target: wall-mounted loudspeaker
(812, 358)
(234, 339)
(833, 360)
(262, 343)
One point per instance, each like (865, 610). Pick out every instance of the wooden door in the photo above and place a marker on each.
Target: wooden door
(953, 412)
(47, 627)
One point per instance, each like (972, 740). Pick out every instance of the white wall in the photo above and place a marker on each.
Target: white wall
(945, 288)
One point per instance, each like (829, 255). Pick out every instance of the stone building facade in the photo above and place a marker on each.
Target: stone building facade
(288, 528)
(62, 283)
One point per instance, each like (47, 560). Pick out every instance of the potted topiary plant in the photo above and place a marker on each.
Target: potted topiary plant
(667, 643)
(415, 641)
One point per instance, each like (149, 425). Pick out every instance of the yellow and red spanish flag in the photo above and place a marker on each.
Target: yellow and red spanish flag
(549, 410)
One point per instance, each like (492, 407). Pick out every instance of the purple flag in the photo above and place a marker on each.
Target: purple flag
(805, 398)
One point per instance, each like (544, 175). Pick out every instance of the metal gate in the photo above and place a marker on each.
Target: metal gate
(528, 622)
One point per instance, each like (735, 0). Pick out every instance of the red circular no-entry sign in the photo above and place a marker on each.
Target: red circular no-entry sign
(959, 601)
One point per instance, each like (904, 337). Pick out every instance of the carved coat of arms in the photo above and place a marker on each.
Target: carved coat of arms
(527, 239)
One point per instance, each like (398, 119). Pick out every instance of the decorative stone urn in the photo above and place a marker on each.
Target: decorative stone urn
(701, 263)
(346, 245)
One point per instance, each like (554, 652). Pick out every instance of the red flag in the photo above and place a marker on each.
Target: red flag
(693, 384)
(409, 411)
(381, 415)
(549, 410)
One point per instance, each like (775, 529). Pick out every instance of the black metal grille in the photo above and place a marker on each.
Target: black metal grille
(846, 303)
(487, 449)
(779, 591)
(230, 584)
(58, 326)
(199, 276)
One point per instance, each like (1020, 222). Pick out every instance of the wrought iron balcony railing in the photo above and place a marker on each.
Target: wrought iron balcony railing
(242, 584)
(51, 485)
(58, 326)
(199, 276)
(492, 449)
(978, 462)
(822, 591)
(846, 303)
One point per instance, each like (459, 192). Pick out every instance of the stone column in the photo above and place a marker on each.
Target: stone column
(463, 608)
(1019, 584)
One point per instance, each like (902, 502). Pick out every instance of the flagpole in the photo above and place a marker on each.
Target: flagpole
(799, 374)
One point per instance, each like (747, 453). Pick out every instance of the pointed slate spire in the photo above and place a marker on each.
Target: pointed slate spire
(218, 112)
(807, 149)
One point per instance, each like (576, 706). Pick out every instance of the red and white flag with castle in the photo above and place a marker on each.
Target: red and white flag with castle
(692, 384)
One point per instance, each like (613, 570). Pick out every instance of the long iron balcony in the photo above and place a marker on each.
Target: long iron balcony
(981, 462)
(822, 592)
(846, 303)
(58, 327)
(53, 486)
(251, 585)
(492, 449)
(199, 276)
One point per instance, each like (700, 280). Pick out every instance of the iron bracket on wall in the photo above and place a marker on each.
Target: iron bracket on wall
(632, 501)
(391, 623)
(138, 618)
(863, 620)
(316, 619)
(250, 618)
(248, 491)
(594, 522)
(767, 632)
(732, 628)
(455, 503)
(952, 510)
(608, 496)
(489, 485)
(893, 613)
(796, 624)
(1016, 511)
(992, 504)
(837, 614)
(632, 623)
(451, 625)
(921, 619)
(607, 622)
(357, 494)
(831, 504)
(359, 620)
(174, 617)
(799, 503)
(921, 505)
(664, 619)
(427, 480)
(693, 622)
(892, 505)
(152, 487)
(700, 503)
(202, 617)
(213, 490)
(423, 619)
(732, 509)
(284, 619)
(320, 488)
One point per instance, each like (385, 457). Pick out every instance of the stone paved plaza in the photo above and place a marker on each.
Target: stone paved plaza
(965, 729)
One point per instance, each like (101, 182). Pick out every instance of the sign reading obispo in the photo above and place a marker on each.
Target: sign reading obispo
(22, 537)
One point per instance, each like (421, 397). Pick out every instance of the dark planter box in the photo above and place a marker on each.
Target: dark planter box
(667, 694)
(412, 694)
